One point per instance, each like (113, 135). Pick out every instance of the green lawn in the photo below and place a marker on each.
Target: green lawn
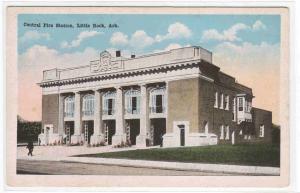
(246, 154)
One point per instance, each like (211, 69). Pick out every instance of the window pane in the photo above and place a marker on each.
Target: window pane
(133, 104)
(158, 103)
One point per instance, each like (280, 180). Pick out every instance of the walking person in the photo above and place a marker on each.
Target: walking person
(30, 148)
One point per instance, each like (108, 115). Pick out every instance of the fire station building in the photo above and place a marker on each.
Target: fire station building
(174, 98)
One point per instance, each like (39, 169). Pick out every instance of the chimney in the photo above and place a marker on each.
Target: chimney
(118, 53)
(132, 55)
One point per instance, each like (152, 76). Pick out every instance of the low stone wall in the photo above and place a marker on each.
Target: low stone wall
(191, 139)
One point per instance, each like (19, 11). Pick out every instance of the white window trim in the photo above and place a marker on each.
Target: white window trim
(222, 101)
(227, 132)
(105, 97)
(222, 132)
(262, 131)
(152, 102)
(216, 100)
(129, 94)
(88, 105)
(227, 102)
(69, 106)
(234, 109)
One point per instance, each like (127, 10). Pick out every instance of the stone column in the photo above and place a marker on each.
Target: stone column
(144, 120)
(98, 135)
(120, 135)
(76, 138)
(61, 130)
(168, 138)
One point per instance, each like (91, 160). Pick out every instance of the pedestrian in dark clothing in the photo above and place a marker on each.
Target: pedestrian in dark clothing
(30, 148)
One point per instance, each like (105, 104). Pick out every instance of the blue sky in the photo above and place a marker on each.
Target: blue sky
(244, 46)
(151, 24)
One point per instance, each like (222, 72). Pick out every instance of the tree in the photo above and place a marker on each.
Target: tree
(27, 130)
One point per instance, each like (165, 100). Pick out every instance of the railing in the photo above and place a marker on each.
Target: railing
(108, 111)
(88, 113)
(132, 111)
(157, 109)
(69, 114)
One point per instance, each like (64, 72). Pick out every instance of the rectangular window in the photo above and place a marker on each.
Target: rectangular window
(222, 102)
(241, 106)
(216, 100)
(159, 103)
(134, 105)
(227, 102)
(261, 131)
(110, 107)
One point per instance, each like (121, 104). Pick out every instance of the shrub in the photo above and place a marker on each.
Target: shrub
(102, 143)
(28, 130)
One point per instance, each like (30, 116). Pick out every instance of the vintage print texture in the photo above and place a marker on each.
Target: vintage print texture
(147, 89)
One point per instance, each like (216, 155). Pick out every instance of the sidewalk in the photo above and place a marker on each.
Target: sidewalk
(249, 170)
(63, 154)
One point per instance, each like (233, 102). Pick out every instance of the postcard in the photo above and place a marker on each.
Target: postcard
(147, 97)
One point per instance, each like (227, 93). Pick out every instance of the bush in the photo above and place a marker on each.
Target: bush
(28, 130)
(275, 134)
(102, 143)
(123, 144)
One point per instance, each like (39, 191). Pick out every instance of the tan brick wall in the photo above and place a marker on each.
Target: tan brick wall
(183, 103)
(50, 110)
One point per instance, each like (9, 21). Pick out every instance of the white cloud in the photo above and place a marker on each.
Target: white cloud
(175, 30)
(140, 39)
(82, 36)
(173, 46)
(119, 39)
(30, 71)
(34, 35)
(51, 58)
(258, 25)
(226, 35)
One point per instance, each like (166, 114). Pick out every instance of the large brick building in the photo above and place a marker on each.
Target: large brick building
(177, 98)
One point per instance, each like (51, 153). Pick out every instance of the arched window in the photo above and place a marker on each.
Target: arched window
(69, 106)
(157, 100)
(132, 101)
(108, 101)
(88, 105)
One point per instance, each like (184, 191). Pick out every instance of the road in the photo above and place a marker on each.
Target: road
(66, 168)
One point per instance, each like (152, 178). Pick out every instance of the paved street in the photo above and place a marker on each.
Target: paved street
(63, 168)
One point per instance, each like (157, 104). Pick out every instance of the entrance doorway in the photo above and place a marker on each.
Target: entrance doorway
(157, 130)
(109, 130)
(182, 134)
(88, 131)
(132, 130)
(69, 131)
